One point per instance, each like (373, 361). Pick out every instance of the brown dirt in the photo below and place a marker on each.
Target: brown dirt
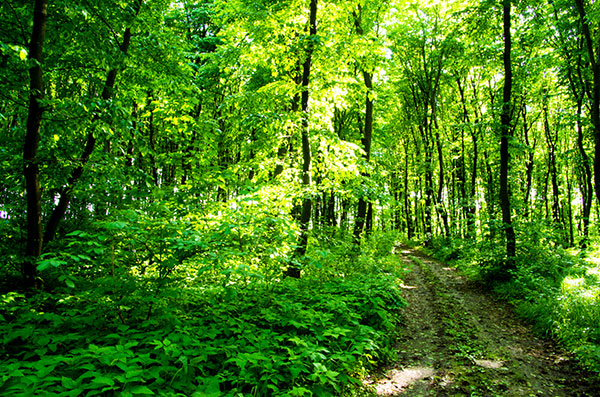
(458, 340)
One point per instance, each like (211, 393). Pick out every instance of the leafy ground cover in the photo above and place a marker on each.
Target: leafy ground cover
(298, 338)
(144, 306)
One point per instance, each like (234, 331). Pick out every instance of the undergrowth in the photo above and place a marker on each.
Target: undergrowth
(198, 307)
(302, 337)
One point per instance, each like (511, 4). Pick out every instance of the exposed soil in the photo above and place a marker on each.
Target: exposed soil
(458, 340)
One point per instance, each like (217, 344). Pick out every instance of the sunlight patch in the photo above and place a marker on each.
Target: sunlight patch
(396, 380)
(407, 287)
(491, 364)
(404, 286)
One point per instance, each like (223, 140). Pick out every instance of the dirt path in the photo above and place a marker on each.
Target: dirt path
(459, 341)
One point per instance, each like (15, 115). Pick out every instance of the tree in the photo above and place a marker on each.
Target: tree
(294, 271)
(506, 135)
(33, 248)
(35, 240)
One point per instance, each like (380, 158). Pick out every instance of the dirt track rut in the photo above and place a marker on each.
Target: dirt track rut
(457, 340)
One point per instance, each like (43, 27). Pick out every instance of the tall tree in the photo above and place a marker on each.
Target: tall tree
(363, 204)
(305, 216)
(33, 248)
(35, 239)
(506, 131)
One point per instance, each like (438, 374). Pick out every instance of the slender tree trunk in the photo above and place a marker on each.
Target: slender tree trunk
(472, 209)
(131, 146)
(570, 209)
(441, 184)
(361, 215)
(461, 180)
(153, 168)
(586, 188)
(407, 204)
(545, 194)
(428, 219)
(551, 141)
(369, 219)
(506, 131)
(294, 271)
(344, 215)
(331, 218)
(33, 248)
(530, 162)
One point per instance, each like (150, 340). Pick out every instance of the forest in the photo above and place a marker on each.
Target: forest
(207, 197)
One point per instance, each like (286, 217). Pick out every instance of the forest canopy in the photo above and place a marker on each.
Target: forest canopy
(175, 173)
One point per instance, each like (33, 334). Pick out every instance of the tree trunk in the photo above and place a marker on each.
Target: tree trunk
(586, 186)
(294, 271)
(361, 214)
(530, 163)
(570, 209)
(506, 131)
(407, 204)
(369, 220)
(33, 248)
(551, 141)
(440, 198)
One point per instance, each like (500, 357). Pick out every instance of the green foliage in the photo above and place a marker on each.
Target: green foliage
(300, 337)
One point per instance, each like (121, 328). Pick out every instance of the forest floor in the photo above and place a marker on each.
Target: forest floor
(459, 340)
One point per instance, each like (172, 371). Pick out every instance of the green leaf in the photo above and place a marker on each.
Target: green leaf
(103, 380)
(68, 383)
(140, 389)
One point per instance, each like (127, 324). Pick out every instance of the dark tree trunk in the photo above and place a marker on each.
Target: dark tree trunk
(33, 248)
(586, 186)
(331, 211)
(427, 218)
(361, 214)
(151, 128)
(471, 209)
(134, 126)
(551, 141)
(294, 271)
(440, 199)
(530, 163)
(407, 205)
(506, 131)
(570, 210)
(369, 220)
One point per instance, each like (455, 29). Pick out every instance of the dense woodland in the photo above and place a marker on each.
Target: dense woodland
(203, 196)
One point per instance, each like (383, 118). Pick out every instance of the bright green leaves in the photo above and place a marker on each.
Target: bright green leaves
(308, 336)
